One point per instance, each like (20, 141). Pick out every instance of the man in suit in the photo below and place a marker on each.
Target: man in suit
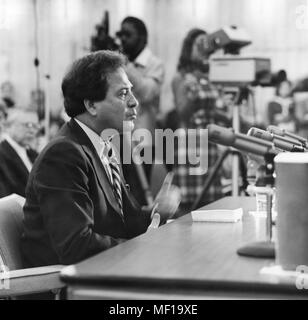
(16, 156)
(77, 204)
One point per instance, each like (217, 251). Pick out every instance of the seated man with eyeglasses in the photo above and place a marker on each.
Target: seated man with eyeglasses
(16, 153)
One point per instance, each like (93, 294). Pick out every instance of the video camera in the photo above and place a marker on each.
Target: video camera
(233, 69)
(102, 40)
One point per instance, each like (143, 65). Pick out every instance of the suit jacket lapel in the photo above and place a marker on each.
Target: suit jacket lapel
(100, 171)
(14, 157)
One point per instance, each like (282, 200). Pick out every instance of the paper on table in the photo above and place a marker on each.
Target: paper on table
(217, 215)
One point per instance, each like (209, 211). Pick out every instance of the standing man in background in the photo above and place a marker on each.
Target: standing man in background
(146, 72)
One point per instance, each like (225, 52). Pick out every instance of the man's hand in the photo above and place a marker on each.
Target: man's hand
(168, 199)
(155, 221)
(192, 86)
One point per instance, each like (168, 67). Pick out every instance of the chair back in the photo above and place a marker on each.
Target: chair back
(11, 219)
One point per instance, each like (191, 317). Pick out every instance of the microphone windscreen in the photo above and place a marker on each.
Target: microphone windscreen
(261, 134)
(221, 135)
(275, 130)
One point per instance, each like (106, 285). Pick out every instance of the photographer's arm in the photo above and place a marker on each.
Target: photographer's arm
(184, 95)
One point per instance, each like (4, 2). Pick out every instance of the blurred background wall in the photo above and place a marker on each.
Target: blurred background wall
(63, 28)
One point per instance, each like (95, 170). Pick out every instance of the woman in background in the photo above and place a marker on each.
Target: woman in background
(195, 104)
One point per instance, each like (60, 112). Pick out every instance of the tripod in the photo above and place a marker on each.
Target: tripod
(213, 173)
(238, 162)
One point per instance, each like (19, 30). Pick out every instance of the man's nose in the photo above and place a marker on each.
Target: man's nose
(133, 102)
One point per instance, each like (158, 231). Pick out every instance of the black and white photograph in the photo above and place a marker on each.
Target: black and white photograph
(153, 153)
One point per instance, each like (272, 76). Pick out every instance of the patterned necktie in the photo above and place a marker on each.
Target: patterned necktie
(115, 172)
(32, 154)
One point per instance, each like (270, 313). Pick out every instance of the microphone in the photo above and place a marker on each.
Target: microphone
(282, 143)
(227, 137)
(283, 133)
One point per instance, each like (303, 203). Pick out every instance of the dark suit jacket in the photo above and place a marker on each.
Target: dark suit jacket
(71, 212)
(13, 172)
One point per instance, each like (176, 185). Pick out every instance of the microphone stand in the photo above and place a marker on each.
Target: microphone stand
(236, 125)
(235, 159)
(264, 249)
(212, 174)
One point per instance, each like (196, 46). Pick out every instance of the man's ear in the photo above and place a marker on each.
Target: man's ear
(90, 106)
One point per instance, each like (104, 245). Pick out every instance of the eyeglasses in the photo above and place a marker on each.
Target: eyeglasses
(31, 125)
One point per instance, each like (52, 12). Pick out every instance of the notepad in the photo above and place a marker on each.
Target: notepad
(230, 216)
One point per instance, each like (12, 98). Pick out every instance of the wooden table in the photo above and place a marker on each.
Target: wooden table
(182, 260)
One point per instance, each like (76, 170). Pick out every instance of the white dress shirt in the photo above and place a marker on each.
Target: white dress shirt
(21, 151)
(99, 146)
